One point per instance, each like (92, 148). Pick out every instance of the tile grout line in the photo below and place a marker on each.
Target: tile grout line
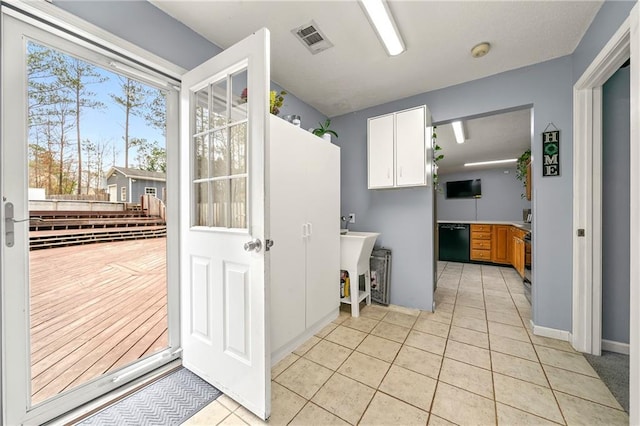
(540, 363)
(435, 390)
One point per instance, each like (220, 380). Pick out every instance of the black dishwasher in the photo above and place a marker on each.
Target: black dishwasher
(453, 244)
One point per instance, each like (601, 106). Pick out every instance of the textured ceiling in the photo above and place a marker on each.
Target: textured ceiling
(357, 73)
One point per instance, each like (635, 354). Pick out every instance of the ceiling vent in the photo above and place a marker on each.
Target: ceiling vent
(312, 38)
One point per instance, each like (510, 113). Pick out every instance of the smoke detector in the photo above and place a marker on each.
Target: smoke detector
(312, 38)
(480, 49)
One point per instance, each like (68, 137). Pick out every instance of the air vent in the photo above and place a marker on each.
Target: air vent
(312, 38)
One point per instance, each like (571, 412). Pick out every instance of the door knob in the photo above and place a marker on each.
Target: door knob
(255, 245)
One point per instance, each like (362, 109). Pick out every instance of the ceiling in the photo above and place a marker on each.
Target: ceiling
(357, 73)
(493, 137)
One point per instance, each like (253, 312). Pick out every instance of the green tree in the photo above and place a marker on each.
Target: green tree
(75, 75)
(150, 155)
(132, 100)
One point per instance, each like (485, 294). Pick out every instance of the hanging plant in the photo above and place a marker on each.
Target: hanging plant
(521, 168)
(437, 156)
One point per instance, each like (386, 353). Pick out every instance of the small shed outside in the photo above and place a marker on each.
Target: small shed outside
(127, 184)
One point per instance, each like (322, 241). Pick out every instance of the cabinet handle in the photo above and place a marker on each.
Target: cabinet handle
(310, 228)
(304, 231)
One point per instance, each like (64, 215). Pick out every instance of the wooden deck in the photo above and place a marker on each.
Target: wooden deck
(94, 309)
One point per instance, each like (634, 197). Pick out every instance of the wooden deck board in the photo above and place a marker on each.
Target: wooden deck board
(95, 308)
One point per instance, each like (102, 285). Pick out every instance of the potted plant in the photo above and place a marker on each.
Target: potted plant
(275, 100)
(324, 132)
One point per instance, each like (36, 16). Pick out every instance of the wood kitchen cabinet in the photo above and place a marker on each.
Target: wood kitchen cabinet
(480, 242)
(518, 253)
(397, 149)
(499, 244)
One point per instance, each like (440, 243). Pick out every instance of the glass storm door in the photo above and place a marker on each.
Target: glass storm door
(84, 277)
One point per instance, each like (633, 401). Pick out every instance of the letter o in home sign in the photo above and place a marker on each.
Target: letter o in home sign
(551, 153)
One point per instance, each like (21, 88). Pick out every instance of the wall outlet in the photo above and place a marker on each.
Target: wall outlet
(352, 218)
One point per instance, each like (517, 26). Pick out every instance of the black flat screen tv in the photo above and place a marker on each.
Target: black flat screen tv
(464, 189)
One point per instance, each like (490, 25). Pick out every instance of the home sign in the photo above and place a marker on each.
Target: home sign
(551, 153)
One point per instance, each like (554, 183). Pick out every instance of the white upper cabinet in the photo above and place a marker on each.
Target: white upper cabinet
(380, 147)
(397, 149)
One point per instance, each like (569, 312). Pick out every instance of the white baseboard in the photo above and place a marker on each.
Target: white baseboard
(618, 347)
(279, 354)
(552, 333)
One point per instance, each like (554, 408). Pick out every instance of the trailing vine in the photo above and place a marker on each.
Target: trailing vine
(521, 168)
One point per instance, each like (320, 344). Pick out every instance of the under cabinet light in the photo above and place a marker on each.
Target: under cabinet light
(382, 21)
(458, 130)
(483, 163)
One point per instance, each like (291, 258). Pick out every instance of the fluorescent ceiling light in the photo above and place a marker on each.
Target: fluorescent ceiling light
(483, 163)
(382, 21)
(458, 130)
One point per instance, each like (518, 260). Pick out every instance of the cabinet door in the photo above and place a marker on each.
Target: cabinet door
(380, 136)
(322, 202)
(288, 215)
(410, 148)
(499, 249)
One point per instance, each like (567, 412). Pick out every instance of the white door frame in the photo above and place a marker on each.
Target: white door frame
(48, 14)
(587, 199)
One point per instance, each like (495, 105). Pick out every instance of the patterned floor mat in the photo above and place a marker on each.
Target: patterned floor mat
(168, 401)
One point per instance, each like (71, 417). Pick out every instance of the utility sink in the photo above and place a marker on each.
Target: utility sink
(355, 251)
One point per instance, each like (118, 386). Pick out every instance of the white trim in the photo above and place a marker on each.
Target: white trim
(587, 191)
(624, 44)
(57, 16)
(279, 354)
(551, 333)
(617, 347)
(634, 226)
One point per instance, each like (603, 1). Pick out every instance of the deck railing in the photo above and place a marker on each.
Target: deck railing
(153, 206)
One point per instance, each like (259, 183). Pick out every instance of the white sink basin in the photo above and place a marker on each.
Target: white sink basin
(355, 249)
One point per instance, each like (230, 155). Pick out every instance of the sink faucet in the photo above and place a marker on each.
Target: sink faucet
(345, 219)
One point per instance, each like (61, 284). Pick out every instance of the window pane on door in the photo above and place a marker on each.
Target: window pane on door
(239, 203)
(201, 157)
(221, 203)
(239, 96)
(201, 200)
(219, 153)
(226, 145)
(239, 149)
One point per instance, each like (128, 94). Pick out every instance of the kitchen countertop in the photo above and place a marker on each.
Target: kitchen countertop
(521, 225)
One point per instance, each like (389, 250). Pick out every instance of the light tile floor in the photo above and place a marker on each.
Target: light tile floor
(474, 361)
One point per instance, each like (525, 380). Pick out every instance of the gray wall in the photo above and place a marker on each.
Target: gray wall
(145, 25)
(501, 197)
(400, 213)
(615, 212)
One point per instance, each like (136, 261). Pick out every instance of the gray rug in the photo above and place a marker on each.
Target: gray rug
(168, 401)
(613, 368)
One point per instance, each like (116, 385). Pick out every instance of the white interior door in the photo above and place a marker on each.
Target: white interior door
(224, 146)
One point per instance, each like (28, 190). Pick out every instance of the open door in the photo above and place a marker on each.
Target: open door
(224, 107)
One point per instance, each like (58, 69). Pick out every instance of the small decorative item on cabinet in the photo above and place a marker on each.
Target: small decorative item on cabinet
(324, 132)
(275, 100)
